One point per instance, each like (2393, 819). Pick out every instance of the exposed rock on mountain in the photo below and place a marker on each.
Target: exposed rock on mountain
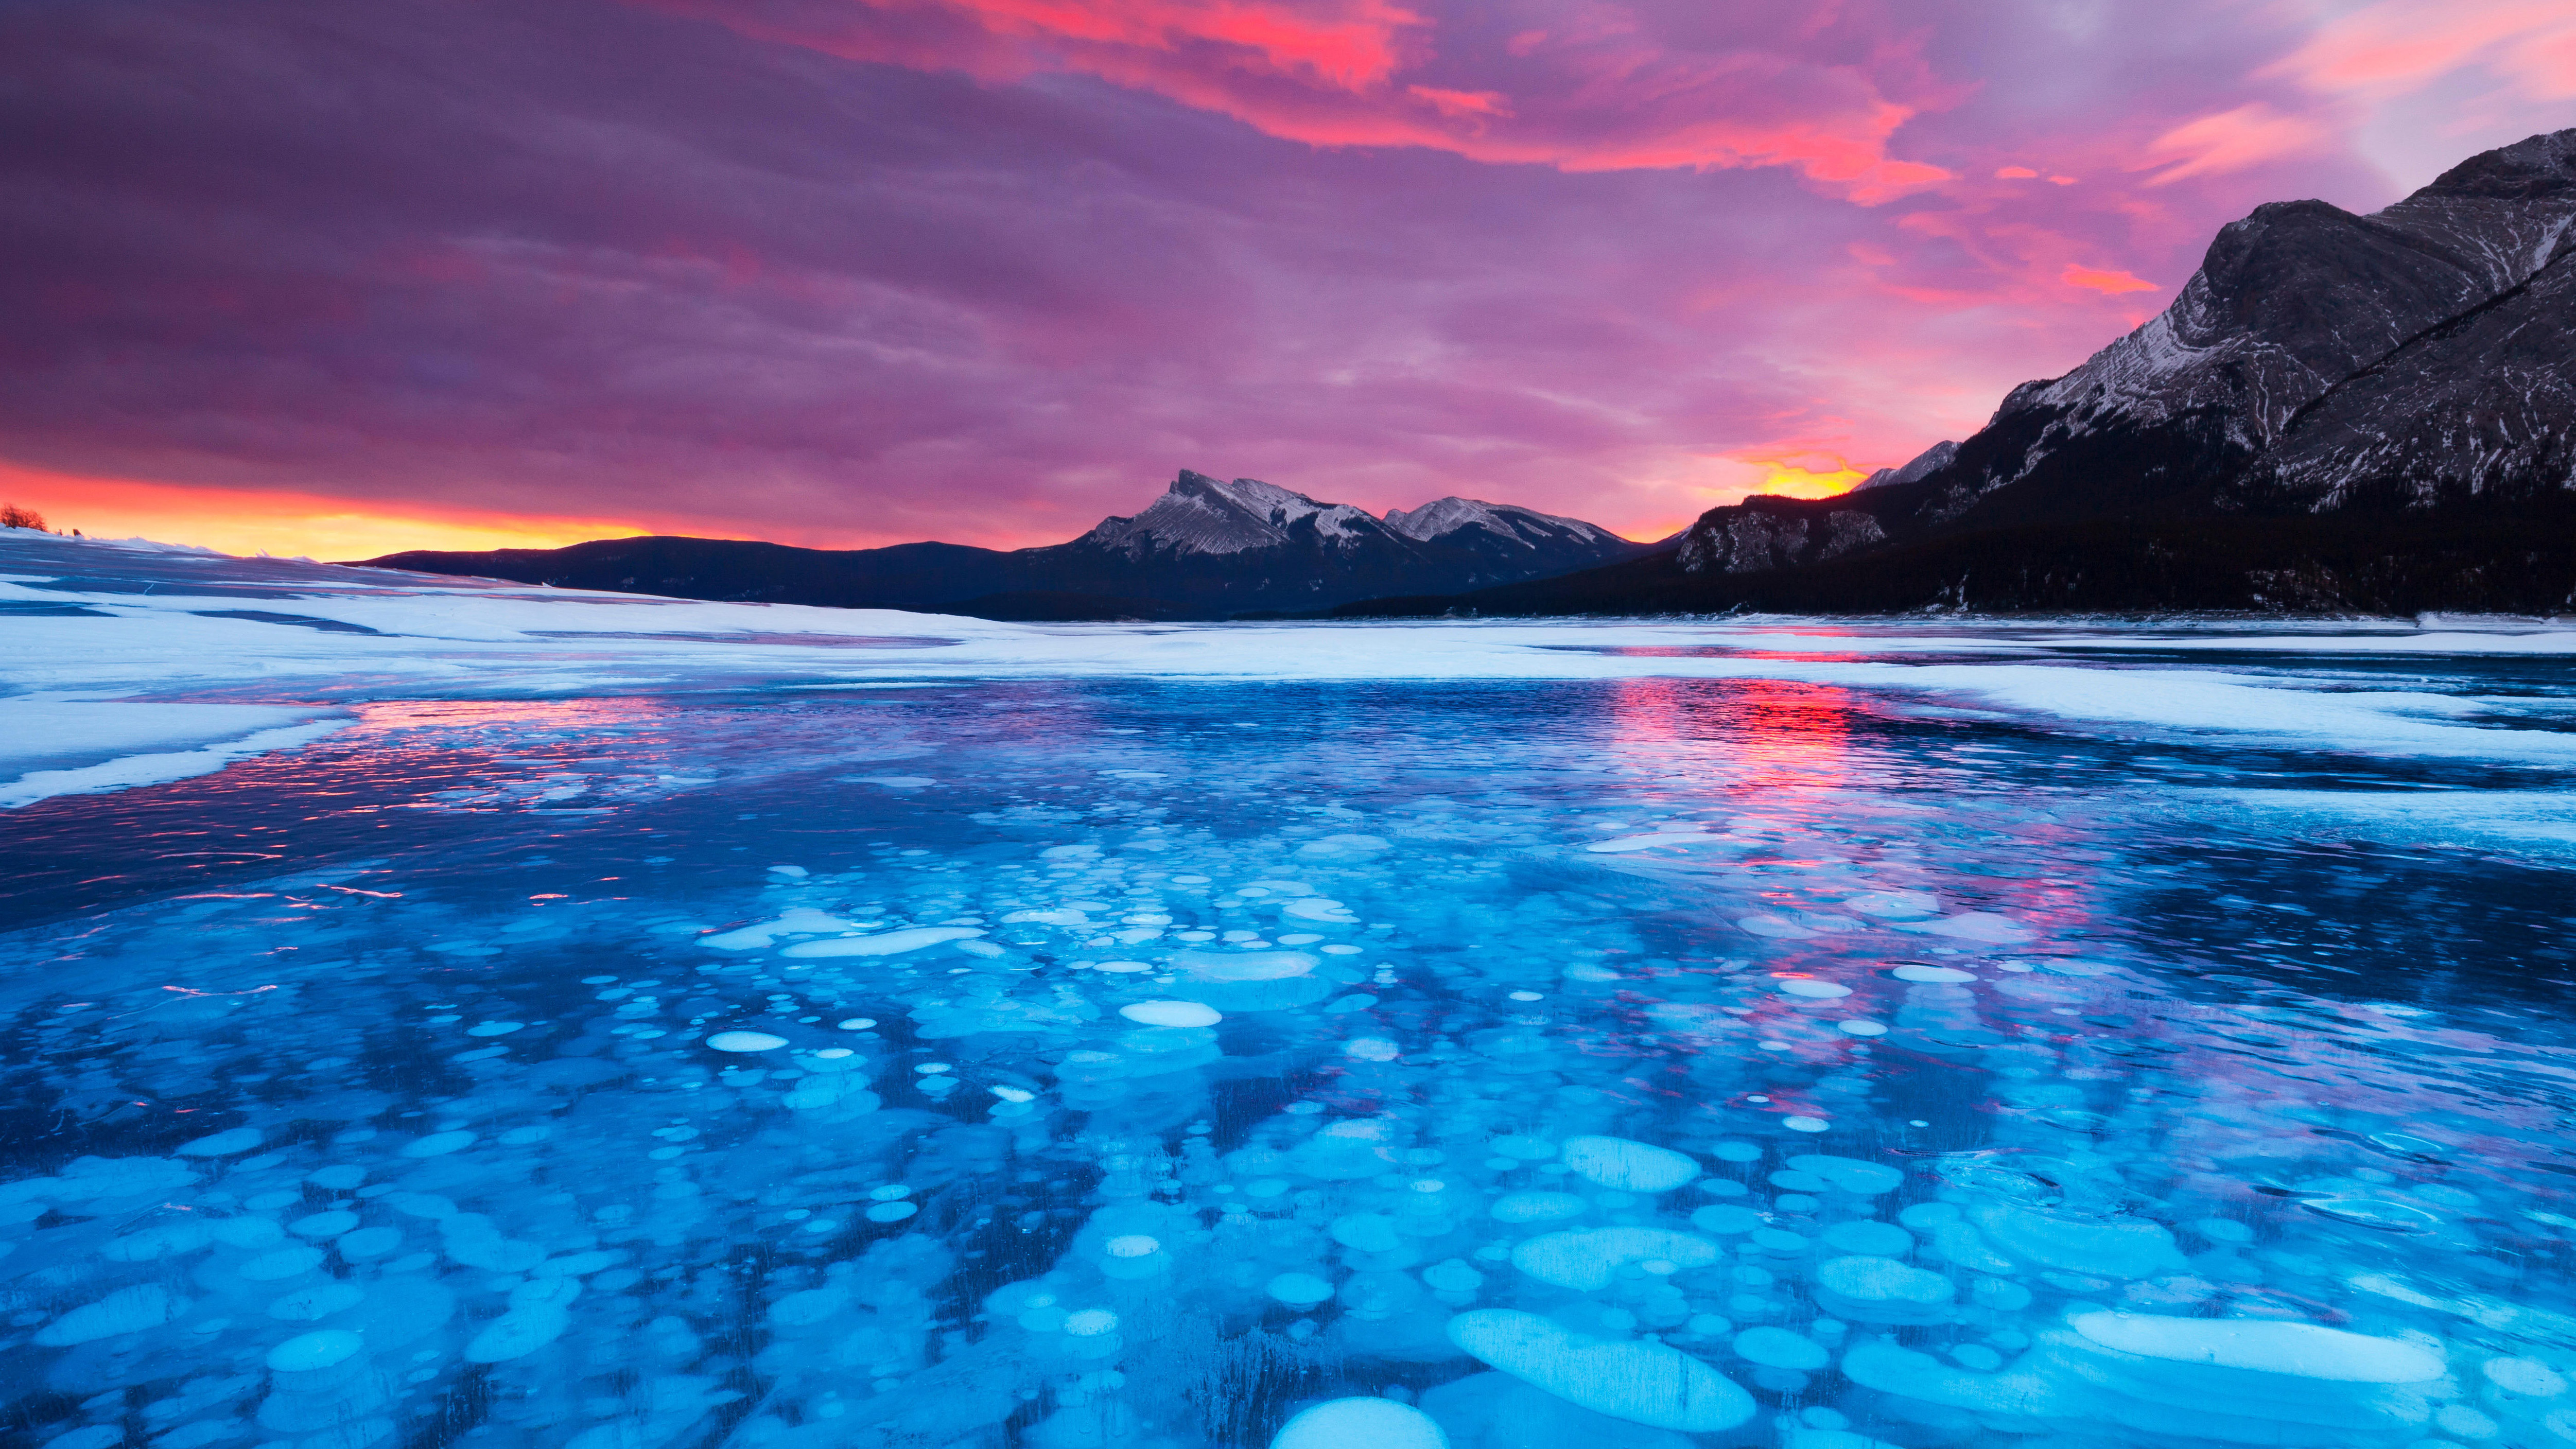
(2337, 412)
(1205, 549)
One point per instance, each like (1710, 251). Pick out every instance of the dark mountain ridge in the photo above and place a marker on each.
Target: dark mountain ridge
(2337, 413)
(1205, 549)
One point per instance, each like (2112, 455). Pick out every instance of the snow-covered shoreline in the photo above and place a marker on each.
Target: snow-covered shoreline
(131, 664)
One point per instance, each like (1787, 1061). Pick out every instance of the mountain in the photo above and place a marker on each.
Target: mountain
(1205, 549)
(2338, 412)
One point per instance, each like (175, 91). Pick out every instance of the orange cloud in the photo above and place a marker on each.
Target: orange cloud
(2231, 141)
(2108, 283)
(2016, 173)
(282, 523)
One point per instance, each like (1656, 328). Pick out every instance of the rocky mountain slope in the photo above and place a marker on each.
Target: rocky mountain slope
(2337, 412)
(1206, 548)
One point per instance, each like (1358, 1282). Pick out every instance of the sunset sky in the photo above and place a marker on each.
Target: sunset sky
(342, 279)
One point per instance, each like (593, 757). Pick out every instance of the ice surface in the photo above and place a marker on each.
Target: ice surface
(1155, 1035)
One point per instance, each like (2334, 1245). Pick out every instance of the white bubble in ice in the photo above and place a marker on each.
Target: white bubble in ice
(1805, 1124)
(309, 1351)
(1589, 1260)
(1813, 990)
(1171, 1013)
(1300, 1290)
(1372, 1049)
(1643, 1382)
(2526, 1378)
(1132, 1245)
(1124, 968)
(891, 1212)
(1859, 1027)
(1626, 1166)
(1090, 1322)
(1850, 1174)
(1932, 974)
(2263, 1346)
(368, 1243)
(746, 1041)
(439, 1144)
(1538, 1207)
(1779, 1348)
(495, 1028)
(1980, 926)
(127, 1310)
(886, 943)
(318, 1226)
(1361, 1424)
(222, 1144)
(1726, 1219)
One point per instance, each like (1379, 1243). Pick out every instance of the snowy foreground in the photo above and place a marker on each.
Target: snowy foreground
(498, 1016)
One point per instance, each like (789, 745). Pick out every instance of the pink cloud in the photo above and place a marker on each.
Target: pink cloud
(2399, 46)
(2232, 140)
(1612, 90)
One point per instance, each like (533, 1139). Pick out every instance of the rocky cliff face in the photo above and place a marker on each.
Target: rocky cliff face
(2317, 361)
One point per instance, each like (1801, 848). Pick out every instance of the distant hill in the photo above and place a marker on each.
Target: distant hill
(1205, 549)
(2337, 413)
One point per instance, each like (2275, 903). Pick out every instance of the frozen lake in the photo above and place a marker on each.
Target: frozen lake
(440, 1014)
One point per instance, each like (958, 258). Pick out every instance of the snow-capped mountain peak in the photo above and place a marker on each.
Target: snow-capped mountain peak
(1526, 527)
(1203, 515)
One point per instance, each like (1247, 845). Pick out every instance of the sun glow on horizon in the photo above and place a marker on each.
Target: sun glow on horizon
(284, 523)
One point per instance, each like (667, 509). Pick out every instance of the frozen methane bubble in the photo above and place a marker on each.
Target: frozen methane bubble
(222, 1144)
(318, 1350)
(1625, 1166)
(1894, 905)
(746, 1041)
(1933, 975)
(1361, 1424)
(1300, 1290)
(1779, 1348)
(802, 921)
(887, 943)
(1171, 1013)
(1854, 1175)
(127, 1310)
(1881, 1290)
(1538, 1207)
(2120, 1248)
(1811, 989)
(1868, 1238)
(439, 1144)
(1984, 927)
(2194, 1380)
(1589, 1259)
(1642, 1382)
(2261, 1346)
